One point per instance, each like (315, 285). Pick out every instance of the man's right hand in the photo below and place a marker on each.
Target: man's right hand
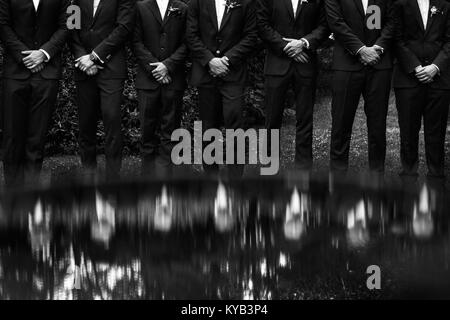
(84, 62)
(302, 57)
(369, 56)
(218, 67)
(38, 68)
(92, 71)
(166, 80)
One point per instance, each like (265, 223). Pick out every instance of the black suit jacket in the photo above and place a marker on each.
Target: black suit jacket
(416, 46)
(158, 40)
(276, 21)
(347, 21)
(106, 34)
(22, 28)
(236, 38)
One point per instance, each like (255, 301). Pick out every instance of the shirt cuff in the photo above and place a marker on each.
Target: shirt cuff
(97, 57)
(437, 68)
(47, 56)
(357, 52)
(306, 41)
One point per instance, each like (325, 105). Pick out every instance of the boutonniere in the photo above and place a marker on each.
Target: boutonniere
(174, 11)
(435, 11)
(231, 4)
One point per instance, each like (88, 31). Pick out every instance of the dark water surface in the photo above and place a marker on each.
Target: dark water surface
(284, 238)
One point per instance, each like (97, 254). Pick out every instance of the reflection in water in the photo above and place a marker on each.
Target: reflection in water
(422, 217)
(102, 228)
(256, 240)
(163, 211)
(357, 232)
(223, 210)
(298, 207)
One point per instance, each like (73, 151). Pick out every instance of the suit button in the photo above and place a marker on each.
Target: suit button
(218, 52)
(162, 49)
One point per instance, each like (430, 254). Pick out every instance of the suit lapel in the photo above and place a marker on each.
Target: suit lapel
(299, 9)
(431, 19)
(226, 16)
(360, 7)
(211, 7)
(167, 15)
(39, 8)
(417, 14)
(289, 7)
(155, 10)
(99, 8)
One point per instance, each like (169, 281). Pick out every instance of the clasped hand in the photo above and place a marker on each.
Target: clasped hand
(85, 64)
(295, 50)
(219, 67)
(161, 73)
(370, 56)
(34, 60)
(426, 74)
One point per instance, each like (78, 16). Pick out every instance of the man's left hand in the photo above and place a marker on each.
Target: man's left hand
(84, 63)
(426, 74)
(294, 47)
(33, 58)
(160, 72)
(38, 68)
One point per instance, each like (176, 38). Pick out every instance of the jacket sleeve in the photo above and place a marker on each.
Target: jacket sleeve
(198, 49)
(56, 43)
(442, 60)
(321, 32)
(178, 58)
(407, 59)
(342, 32)
(124, 27)
(267, 33)
(10, 40)
(246, 46)
(388, 31)
(75, 43)
(142, 53)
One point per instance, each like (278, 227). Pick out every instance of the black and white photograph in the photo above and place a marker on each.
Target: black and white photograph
(225, 155)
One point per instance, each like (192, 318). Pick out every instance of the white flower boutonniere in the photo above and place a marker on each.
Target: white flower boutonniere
(174, 11)
(231, 4)
(435, 11)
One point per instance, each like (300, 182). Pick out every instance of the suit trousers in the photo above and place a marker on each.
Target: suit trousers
(27, 110)
(99, 98)
(160, 114)
(276, 88)
(221, 103)
(375, 86)
(431, 105)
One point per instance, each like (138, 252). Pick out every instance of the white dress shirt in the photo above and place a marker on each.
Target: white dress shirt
(162, 5)
(295, 6)
(424, 6)
(365, 4)
(220, 11)
(96, 3)
(36, 4)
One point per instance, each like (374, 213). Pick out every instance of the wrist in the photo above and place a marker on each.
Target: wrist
(305, 43)
(360, 50)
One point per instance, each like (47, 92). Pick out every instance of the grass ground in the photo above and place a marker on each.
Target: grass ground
(59, 166)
